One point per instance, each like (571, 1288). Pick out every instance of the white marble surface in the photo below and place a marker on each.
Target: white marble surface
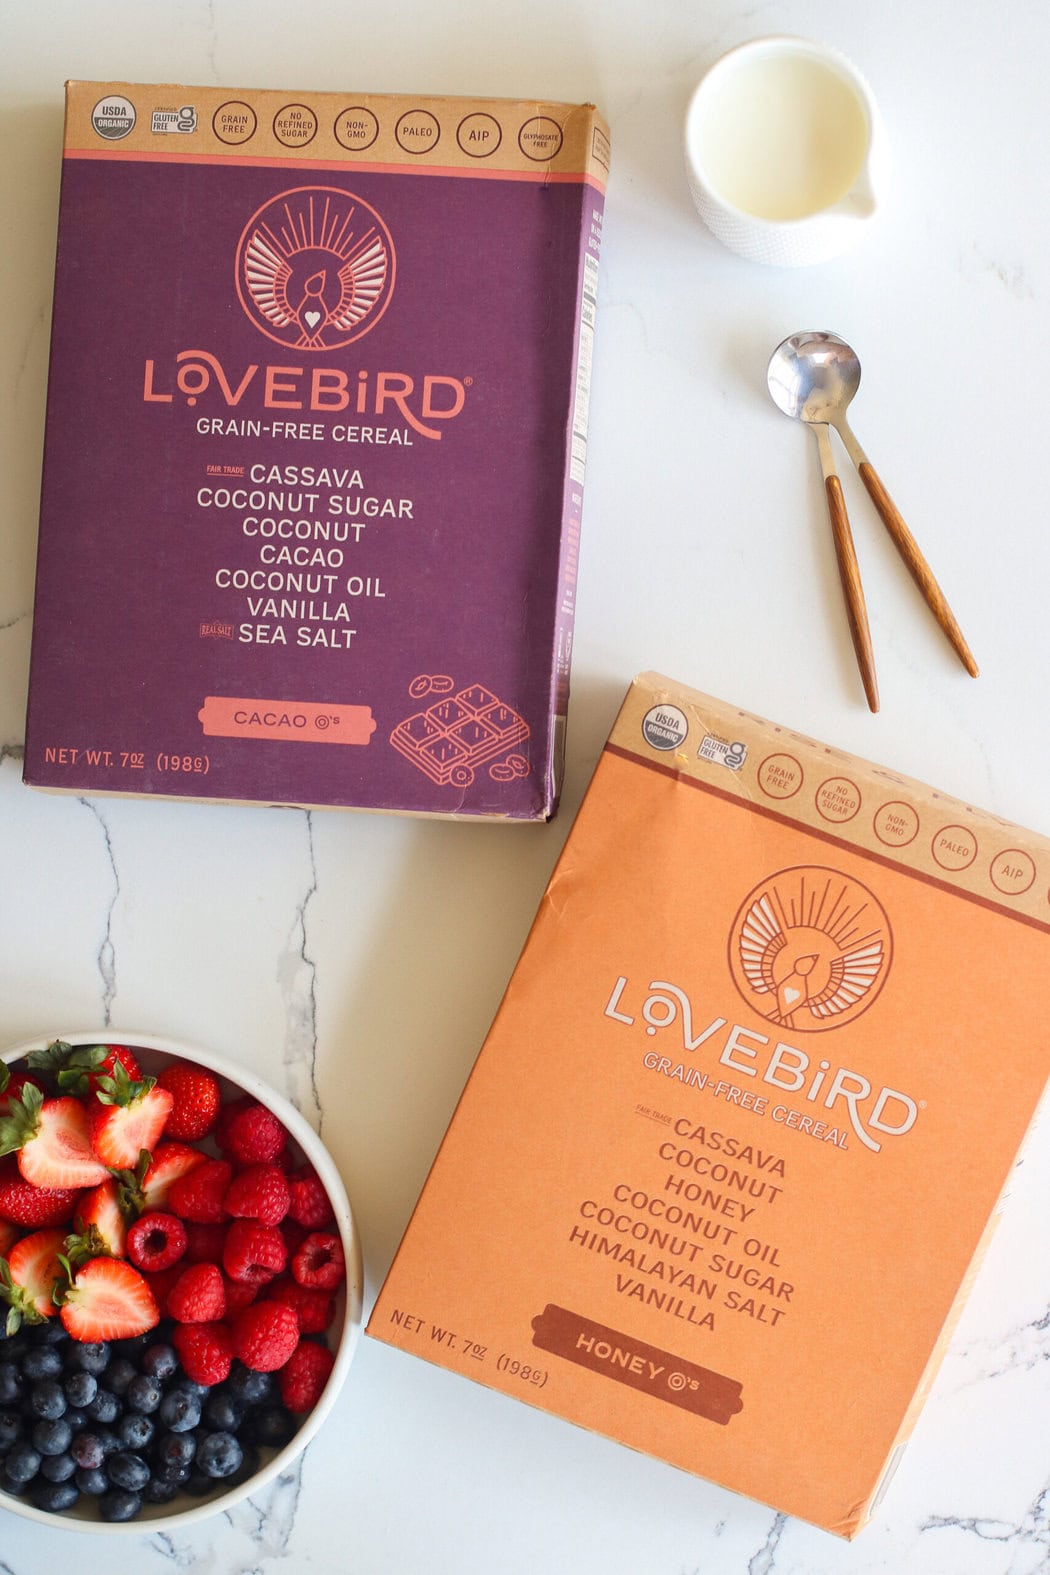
(356, 961)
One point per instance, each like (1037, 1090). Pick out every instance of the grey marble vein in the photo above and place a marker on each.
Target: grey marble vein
(764, 1561)
(297, 977)
(106, 957)
(1032, 1533)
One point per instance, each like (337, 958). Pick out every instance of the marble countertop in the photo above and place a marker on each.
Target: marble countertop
(356, 961)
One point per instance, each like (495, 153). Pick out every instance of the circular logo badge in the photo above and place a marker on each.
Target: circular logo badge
(810, 948)
(315, 268)
(664, 727)
(114, 117)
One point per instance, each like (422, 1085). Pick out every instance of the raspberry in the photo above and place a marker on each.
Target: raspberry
(249, 1132)
(314, 1309)
(239, 1295)
(156, 1241)
(205, 1351)
(198, 1295)
(260, 1192)
(199, 1195)
(308, 1201)
(304, 1375)
(197, 1100)
(294, 1235)
(319, 1263)
(253, 1252)
(160, 1282)
(265, 1335)
(204, 1243)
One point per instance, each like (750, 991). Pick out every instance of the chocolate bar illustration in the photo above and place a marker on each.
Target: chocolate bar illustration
(639, 1365)
(456, 735)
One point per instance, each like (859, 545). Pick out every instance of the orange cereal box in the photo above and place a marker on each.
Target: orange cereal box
(762, 1003)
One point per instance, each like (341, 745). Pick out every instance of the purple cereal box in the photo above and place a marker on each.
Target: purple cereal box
(316, 435)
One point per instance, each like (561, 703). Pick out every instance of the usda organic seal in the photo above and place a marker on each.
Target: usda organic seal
(664, 727)
(113, 117)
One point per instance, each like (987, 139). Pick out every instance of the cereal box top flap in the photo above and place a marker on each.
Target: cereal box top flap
(836, 795)
(516, 139)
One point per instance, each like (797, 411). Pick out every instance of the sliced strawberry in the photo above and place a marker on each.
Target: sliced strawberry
(108, 1300)
(26, 1205)
(9, 1234)
(170, 1161)
(126, 1118)
(99, 1212)
(29, 1275)
(52, 1140)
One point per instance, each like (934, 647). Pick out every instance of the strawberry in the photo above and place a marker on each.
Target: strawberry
(265, 1335)
(156, 1241)
(205, 1351)
(11, 1086)
(28, 1277)
(259, 1192)
(52, 1140)
(23, 1204)
(127, 1117)
(9, 1234)
(253, 1252)
(199, 1195)
(100, 1217)
(307, 1200)
(198, 1099)
(320, 1264)
(250, 1133)
(108, 1300)
(304, 1375)
(198, 1295)
(149, 1184)
(77, 1069)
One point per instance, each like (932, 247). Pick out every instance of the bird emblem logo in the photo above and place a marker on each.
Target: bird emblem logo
(315, 268)
(810, 949)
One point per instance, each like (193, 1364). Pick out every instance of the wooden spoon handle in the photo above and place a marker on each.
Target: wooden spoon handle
(921, 572)
(849, 573)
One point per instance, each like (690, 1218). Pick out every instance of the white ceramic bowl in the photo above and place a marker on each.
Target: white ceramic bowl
(153, 1054)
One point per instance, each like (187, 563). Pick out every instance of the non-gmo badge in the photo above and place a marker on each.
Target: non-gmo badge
(664, 727)
(113, 117)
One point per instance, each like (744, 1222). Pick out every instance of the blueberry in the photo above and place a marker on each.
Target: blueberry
(180, 1410)
(47, 1400)
(80, 1388)
(144, 1394)
(77, 1419)
(41, 1361)
(249, 1386)
(10, 1429)
(55, 1496)
(272, 1425)
(223, 1412)
(51, 1332)
(174, 1451)
(127, 1470)
(160, 1361)
(249, 1465)
(119, 1504)
(11, 1385)
(91, 1356)
(58, 1468)
(158, 1492)
(118, 1375)
(93, 1481)
(104, 1408)
(9, 1485)
(198, 1483)
(87, 1450)
(23, 1461)
(219, 1455)
(136, 1432)
(52, 1437)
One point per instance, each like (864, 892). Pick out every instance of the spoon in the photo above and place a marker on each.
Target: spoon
(812, 377)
